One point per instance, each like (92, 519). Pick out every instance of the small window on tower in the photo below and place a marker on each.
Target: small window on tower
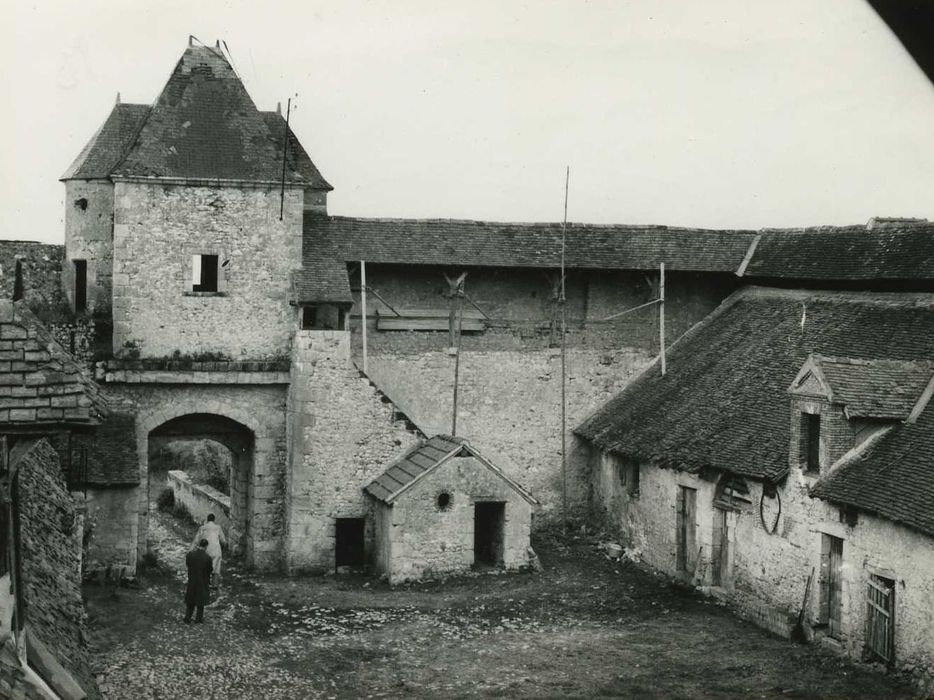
(81, 285)
(204, 273)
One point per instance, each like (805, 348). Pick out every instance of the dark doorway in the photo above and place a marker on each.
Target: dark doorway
(349, 547)
(686, 529)
(720, 547)
(488, 521)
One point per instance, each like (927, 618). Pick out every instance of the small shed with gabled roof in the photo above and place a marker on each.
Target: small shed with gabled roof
(443, 508)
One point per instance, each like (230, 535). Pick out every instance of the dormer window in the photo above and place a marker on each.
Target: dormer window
(810, 442)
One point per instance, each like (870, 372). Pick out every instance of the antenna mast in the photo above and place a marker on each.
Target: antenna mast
(562, 301)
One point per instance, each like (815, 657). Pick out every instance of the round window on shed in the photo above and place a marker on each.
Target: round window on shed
(443, 501)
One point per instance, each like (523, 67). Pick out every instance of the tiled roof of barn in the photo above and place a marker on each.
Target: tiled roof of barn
(205, 126)
(724, 401)
(423, 458)
(298, 158)
(111, 451)
(493, 244)
(40, 383)
(875, 388)
(109, 145)
(885, 249)
(893, 478)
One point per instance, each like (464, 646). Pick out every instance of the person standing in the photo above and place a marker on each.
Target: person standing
(214, 534)
(198, 592)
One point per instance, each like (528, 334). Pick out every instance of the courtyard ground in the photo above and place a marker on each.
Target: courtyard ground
(586, 626)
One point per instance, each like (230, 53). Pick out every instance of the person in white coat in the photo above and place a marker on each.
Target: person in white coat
(214, 534)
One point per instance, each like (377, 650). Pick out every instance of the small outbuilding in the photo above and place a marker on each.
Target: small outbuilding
(443, 508)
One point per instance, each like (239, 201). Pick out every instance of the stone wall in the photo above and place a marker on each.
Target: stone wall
(768, 571)
(424, 540)
(89, 219)
(342, 435)
(157, 230)
(113, 515)
(51, 563)
(509, 406)
(260, 409)
(199, 499)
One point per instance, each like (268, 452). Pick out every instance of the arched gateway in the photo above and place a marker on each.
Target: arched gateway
(239, 442)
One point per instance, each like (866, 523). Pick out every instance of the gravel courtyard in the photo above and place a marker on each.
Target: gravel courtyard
(584, 627)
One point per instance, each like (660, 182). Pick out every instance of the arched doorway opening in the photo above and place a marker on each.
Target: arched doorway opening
(214, 451)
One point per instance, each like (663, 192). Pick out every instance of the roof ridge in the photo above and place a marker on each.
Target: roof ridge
(557, 224)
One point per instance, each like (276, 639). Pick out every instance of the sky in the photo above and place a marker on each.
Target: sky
(712, 113)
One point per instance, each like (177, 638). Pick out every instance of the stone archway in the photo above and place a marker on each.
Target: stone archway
(260, 542)
(239, 442)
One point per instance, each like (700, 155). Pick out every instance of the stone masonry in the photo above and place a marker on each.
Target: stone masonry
(157, 230)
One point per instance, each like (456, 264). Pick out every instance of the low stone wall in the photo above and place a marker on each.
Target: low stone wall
(199, 499)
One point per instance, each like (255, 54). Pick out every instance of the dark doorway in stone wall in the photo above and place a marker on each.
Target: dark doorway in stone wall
(216, 455)
(349, 543)
(488, 521)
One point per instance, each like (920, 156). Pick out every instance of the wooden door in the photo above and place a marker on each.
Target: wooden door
(686, 529)
(880, 618)
(831, 582)
(720, 548)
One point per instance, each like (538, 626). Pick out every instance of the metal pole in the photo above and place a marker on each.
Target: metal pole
(564, 420)
(363, 308)
(457, 359)
(661, 313)
(285, 149)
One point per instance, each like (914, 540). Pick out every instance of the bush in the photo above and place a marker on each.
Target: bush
(166, 500)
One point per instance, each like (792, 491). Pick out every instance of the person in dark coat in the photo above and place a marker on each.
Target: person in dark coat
(197, 595)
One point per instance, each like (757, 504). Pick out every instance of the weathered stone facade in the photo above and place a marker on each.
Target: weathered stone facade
(113, 518)
(342, 435)
(89, 219)
(418, 536)
(258, 507)
(51, 563)
(158, 228)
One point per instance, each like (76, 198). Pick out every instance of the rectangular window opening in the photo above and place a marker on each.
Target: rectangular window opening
(204, 273)
(81, 285)
(810, 440)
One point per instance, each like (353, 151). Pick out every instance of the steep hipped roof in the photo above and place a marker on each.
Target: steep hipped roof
(205, 126)
(297, 158)
(40, 384)
(869, 388)
(890, 249)
(894, 477)
(425, 458)
(108, 146)
(494, 244)
(724, 403)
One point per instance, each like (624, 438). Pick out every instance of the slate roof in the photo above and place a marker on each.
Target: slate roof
(893, 478)
(40, 384)
(111, 451)
(298, 159)
(724, 403)
(874, 388)
(109, 145)
(493, 244)
(321, 280)
(424, 458)
(884, 250)
(203, 126)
